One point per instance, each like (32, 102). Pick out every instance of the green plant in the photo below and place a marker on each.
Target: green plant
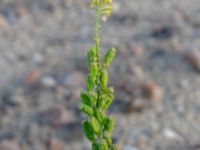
(98, 96)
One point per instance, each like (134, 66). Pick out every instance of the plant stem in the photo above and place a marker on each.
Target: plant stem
(97, 36)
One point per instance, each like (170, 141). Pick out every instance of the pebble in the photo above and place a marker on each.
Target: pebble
(193, 59)
(162, 32)
(38, 58)
(32, 77)
(137, 105)
(75, 79)
(8, 145)
(137, 50)
(59, 116)
(151, 91)
(55, 144)
(170, 134)
(129, 148)
(2, 21)
(48, 82)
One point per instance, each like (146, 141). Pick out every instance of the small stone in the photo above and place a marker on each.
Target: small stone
(59, 116)
(151, 91)
(48, 82)
(116, 7)
(8, 145)
(193, 59)
(3, 21)
(162, 32)
(137, 50)
(137, 105)
(55, 144)
(32, 77)
(130, 148)
(38, 58)
(170, 134)
(21, 10)
(74, 79)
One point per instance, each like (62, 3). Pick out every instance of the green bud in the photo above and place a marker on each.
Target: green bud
(91, 54)
(109, 124)
(104, 78)
(114, 147)
(100, 115)
(85, 98)
(87, 128)
(95, 146)
(94, 70)
(90, 82)
(108, 138)
(105, 101)
(93, 98)
(109, 57)
(95, 125)
(87, 109)
(103, 145)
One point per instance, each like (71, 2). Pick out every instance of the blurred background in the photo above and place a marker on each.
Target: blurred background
(156, 74)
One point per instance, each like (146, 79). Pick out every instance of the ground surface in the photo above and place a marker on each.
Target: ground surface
(156, 74)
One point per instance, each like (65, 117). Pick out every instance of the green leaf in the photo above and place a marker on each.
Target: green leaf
(104, 78)
(95, 146)
(88, 130)
(109, 57)
(85, 98)
(87, 109)
(103, 145)
(109, 124)
(95, 125)
(89, 98)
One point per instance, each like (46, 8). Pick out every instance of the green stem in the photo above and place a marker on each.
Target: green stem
(97, 36)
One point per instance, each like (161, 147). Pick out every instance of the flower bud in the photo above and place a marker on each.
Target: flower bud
(95, 125)
(109, 57)
(105, 101)
(94, 69)
(103, 145)
(87, 128)
(104, 78)
(90, 82)
(100, 115)
(87, 109)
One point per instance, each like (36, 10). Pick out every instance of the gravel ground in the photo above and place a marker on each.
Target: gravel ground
(156, 74)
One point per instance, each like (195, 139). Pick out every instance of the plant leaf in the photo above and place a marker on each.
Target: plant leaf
(87, 128)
